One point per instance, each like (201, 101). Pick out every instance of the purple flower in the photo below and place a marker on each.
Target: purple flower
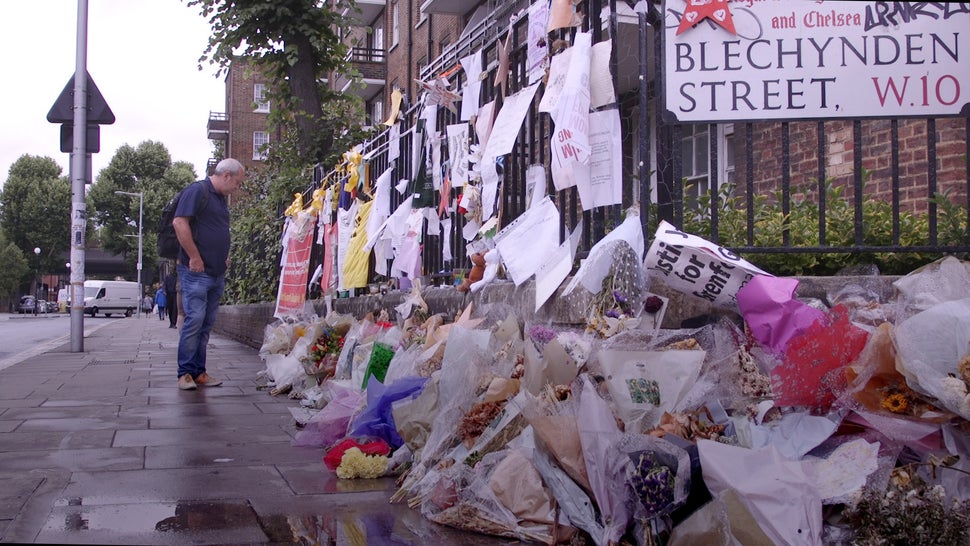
(541, 335)
(618, 296)
(612, 313)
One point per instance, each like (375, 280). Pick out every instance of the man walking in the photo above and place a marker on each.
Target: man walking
(171, 300)
(202, 227)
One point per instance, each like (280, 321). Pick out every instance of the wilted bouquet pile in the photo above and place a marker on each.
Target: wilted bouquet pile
(775, 422)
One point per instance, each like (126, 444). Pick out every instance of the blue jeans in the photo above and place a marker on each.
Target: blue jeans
(200, 301)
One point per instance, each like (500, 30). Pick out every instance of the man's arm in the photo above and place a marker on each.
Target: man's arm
(183, 231)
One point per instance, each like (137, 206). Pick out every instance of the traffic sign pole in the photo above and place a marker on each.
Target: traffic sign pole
(79, 159)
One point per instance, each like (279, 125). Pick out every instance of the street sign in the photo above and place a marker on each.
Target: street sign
(99, 113)
(92, 140)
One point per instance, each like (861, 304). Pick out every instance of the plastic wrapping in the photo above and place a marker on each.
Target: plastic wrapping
(645, 384)
(330, 424)
(929, 348)
(607, 467)
(669, 462)
(377, 420)
(779, 493)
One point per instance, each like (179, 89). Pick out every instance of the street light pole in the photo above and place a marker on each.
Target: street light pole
(37, 278)
(141, 203)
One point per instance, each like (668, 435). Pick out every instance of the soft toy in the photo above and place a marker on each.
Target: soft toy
(476, 273)
(492, 261)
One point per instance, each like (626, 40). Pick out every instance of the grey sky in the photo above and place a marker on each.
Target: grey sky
(143, 56)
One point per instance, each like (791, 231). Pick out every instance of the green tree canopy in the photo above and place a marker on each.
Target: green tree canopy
(297, 44)
(147, 169)
(15, 267)
(35, 210)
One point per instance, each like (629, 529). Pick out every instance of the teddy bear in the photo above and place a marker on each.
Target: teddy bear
(476, 273)
(492, 260)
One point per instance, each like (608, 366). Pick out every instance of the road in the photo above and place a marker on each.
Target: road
(23, 336)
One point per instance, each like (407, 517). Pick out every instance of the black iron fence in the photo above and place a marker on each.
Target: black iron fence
(843, 188)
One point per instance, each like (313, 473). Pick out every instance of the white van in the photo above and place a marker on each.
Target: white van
(110, 297)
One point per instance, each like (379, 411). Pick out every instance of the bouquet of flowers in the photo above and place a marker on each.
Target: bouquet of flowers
(620, 299)
(324, 352)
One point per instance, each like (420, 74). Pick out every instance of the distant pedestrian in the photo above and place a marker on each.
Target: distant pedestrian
(202, 227)
(160, 302)
(146, 305)
(171, 299)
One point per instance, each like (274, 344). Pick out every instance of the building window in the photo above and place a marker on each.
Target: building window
(395, 22)
(376, 111)
(259, 97)
(377, 35)
(696, 158)
(260, 141)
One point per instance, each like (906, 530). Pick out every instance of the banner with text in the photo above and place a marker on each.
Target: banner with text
(747, 60)
(293, 281)
(697, 267)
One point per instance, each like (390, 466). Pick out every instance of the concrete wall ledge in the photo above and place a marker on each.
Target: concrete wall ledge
(247, 323)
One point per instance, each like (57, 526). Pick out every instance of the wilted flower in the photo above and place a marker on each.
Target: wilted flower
(896, 403)
(541, 335)
(653, 304)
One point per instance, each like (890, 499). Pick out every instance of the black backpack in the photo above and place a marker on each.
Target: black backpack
(168, 243)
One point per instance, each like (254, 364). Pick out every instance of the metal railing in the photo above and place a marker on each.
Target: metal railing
(366, 55)
(837, 206)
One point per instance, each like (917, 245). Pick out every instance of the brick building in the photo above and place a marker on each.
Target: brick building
(242, 127)
(876, 155)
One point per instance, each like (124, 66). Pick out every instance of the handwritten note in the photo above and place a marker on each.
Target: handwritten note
(604, 186)
(521, 242)
(458, 153)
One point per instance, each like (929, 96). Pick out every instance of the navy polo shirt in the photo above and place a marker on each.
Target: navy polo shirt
(210, 226)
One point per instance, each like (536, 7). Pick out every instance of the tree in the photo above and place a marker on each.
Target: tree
(147, 169)
(35, 210)
(14, 269)
(297, 44)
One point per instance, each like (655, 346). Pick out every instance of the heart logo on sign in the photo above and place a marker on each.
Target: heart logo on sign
(717, 10)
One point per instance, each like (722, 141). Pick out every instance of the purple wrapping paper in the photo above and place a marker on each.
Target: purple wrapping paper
(772, 313)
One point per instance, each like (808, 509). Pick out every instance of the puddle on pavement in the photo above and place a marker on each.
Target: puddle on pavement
(237, 521)
(175, 517)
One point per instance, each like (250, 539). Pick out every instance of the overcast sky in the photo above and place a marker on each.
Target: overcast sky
(143, 56)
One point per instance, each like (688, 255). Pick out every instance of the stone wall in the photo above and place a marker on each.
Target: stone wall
(247, 323)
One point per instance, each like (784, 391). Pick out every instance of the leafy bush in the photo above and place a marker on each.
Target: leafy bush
(801, 225)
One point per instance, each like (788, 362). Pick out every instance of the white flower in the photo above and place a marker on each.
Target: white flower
(953, 394)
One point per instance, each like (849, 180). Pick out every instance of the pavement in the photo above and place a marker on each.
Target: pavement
(100, 447)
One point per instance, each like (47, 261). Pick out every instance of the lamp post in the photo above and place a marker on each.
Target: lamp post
(37, 278)
(141, 204)
(67, 286)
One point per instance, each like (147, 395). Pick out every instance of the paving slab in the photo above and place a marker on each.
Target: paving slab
(75, 460)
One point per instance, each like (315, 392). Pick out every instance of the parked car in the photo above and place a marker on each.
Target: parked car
(28, 304)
